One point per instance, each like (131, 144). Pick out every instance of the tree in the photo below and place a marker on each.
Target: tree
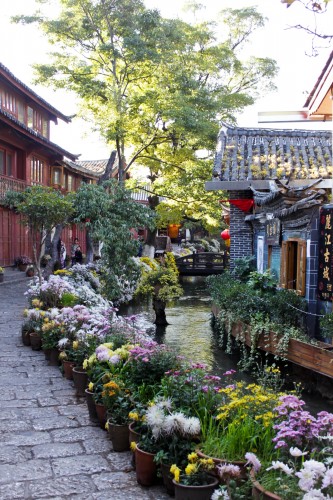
(42, 209)
(156, 88)
(161, 282)
(318, 33)
(110, 215)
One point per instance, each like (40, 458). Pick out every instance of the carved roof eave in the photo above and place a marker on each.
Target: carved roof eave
(284, 212)
(217, 185)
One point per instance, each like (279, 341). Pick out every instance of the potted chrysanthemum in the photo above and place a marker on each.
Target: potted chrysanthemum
(2, 274)
(195, 480)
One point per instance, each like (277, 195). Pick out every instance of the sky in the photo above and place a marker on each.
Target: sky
(22, 46)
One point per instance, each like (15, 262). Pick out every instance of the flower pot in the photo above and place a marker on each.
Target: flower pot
(2, 277)
(35, 341)
(80, 379)
(26, 337)
(54, 357)
(30, 273)
(91, 406)
(68, 369)
(167, 478)
(217, 461)
(23, 267)
(119, 435)
(259, 493)
(47, 353)
(133, 435)
(146, 470)
(101, 414)
(204, 492)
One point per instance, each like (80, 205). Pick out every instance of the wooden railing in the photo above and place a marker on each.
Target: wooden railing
(10, 184)
(203, 263)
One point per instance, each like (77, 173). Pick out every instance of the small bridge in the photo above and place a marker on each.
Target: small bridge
(202, 264)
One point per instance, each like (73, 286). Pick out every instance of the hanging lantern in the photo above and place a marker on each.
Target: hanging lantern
(225, 235)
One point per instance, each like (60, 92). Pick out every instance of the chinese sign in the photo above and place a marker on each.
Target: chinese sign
(273, 231)
(325, 264)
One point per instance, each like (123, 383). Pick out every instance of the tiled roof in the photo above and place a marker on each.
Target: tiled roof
(95, 166)
(245, 154)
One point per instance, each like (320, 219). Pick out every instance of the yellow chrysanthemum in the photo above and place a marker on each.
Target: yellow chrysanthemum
(91, 386)
(85, 364)
(192, 457)
(75, 344)
(133, 445)
(190, 469)
(133, 415)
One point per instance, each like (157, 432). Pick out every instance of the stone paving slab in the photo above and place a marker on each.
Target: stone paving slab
(49, 449)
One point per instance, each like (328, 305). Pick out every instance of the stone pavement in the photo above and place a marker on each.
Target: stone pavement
(48, 446)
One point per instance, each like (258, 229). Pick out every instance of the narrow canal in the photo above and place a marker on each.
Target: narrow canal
(189, 330)
(191, 334)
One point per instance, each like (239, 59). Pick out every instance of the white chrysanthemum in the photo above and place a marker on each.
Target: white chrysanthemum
(169, 424)
(276, 464)
(179, 420)
(191, 426)
(228, 469)
(155, 420)
(315, 495)
(328, 478)
(63, 342)
(220, 495)
(317, 468)
(296, 452)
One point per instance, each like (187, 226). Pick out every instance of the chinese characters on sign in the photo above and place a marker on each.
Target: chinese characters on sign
(325, 241)
(273, 231)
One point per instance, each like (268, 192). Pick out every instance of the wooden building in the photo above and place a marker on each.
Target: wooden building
(28, 157)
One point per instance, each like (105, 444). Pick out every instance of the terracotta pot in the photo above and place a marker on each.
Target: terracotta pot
(259, 493)
(68, 369)
(26, 337)
(23, 267)
(80, 379)
(54, 357)
(167, 478)
(119, 435)
(101, 414)
(35, 341)
(47, 353)
(217, 461)
(204, 492)
(91, 405)
(133, 435)
(146, 470)
(30, 273)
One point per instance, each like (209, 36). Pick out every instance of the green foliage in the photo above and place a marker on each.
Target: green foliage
(68, 299)
(161, 282)
(326, 325)
(42, 209)
(112, 216)
(157, 87)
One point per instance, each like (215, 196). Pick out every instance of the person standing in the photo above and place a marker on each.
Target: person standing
(61, 253)
(74, 246)
(78, 255)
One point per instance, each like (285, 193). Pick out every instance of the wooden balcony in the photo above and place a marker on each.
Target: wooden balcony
(10, 184)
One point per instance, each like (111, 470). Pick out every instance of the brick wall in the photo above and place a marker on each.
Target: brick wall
(241, 234)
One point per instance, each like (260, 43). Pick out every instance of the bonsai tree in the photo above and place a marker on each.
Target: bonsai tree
(161, 282)
(42, 209)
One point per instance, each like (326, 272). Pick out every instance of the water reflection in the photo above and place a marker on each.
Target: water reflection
(189, 330)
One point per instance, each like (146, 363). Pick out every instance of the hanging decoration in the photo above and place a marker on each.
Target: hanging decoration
(244, 205)
(225, 235)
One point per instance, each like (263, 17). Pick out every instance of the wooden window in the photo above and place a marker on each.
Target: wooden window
(56, 176)
(9, 103)
(69, 182)
(7, 162)
(37, 122)
(293, 265)
(37, 170)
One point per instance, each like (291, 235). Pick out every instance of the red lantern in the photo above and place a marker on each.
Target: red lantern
(225, 235)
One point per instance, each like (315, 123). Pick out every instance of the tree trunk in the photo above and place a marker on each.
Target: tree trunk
(53, 250)
(159, 309)
(89, 246)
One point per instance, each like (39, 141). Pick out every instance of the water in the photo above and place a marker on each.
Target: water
(189, 330)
